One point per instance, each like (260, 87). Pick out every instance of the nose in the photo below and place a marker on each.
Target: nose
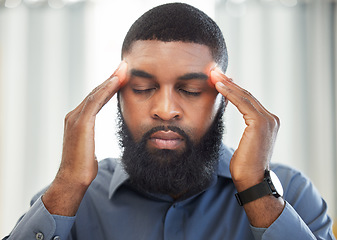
(166, 106)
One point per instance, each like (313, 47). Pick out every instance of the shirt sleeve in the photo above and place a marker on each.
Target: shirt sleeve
(304, 215)
(290, 224)
(38, 223)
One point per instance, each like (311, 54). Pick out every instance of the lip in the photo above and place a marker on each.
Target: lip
(166, 140)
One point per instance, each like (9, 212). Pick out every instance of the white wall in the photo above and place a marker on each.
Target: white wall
(52, 56)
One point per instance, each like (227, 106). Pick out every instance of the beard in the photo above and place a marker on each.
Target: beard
(172, 172)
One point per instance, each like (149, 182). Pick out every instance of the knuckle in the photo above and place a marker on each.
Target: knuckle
(245, 100)
(277, 119)
(95, 90)
(74, 123)
(274, 123)
(247, 93)
(91, 98)
(108, 89)
(68, 118)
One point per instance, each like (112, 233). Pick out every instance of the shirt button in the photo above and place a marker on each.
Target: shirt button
(39, 236)
(57, 238)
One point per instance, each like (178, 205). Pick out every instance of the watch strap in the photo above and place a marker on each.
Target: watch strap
(255, 192)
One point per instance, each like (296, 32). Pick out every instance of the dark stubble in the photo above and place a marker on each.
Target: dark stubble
(171, 172)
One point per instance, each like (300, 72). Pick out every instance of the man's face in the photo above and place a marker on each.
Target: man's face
(168, 85)
(170, 118)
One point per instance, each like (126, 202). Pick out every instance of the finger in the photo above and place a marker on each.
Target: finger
(228, 89)
(218, 76)
(120, 72)
(79, 108)
(101, 95)
(253, 112)
(244, 105)
(97, 100)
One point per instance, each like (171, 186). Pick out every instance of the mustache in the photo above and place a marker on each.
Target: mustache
(175, 129)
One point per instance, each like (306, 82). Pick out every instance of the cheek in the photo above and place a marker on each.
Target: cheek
(198, 114)
(201, 115)
(131, 111)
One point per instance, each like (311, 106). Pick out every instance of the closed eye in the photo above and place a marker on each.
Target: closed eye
(142, 91)
(190, 93)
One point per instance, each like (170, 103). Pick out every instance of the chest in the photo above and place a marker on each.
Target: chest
(213, 214)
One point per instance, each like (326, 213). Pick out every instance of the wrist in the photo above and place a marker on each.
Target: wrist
(248, 182)
(74, 178)
(270, 185)
(63, 197)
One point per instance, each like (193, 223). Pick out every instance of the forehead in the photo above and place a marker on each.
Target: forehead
(169, 56)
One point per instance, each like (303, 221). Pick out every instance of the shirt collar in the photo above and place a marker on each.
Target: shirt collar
(224, 160)
(120, 176)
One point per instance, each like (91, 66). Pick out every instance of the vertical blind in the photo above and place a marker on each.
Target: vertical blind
(52, 53)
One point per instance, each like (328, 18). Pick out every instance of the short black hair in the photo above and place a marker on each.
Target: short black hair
(179, 22)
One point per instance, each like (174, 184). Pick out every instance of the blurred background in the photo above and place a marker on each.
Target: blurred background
(53, 52)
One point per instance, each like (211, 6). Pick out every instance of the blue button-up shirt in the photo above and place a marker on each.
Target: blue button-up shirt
(111, 209)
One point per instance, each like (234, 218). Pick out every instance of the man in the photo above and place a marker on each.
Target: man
(175, 179)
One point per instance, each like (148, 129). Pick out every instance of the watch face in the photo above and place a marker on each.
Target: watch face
(277, 184)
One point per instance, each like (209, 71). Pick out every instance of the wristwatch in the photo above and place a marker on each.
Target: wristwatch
(270, 185)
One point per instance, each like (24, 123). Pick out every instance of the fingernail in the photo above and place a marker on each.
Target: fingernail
(121, 71)
(114, 78)
(218, 70)
(213, 67)
(215, 76)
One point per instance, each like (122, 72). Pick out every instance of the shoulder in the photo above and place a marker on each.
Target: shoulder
(106, 169)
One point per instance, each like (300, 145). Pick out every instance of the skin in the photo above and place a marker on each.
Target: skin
(169, 95)
(167, 103)
(255, 149)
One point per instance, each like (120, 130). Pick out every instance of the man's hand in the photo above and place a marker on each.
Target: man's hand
(79, 165)
(255, 149)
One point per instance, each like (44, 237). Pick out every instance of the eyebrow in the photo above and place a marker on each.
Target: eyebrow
(188, 76)
(140, 73)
